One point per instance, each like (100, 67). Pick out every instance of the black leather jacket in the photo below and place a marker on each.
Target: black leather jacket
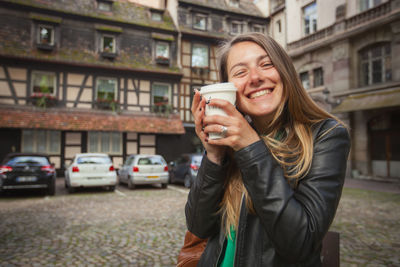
(289, 224)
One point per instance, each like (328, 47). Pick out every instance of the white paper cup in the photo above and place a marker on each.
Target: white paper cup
(225, 91)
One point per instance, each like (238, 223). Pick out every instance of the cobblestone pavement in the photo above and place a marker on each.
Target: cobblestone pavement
(145, 227)
(142, 227)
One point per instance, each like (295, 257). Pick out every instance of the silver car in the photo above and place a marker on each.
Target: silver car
(144, 169)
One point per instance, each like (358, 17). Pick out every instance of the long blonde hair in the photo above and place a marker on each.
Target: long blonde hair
(293, 121)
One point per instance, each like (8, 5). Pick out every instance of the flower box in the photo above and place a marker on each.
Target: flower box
(43, 100)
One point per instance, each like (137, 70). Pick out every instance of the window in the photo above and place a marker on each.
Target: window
(234, 3)
(375, 64)
(41, 141)
(106, 89)
(105, 142)
(305, 80)
(258, 28)
(45, 35)
(318, 77)
(310, 18)
(279, 26)
(156, 16)
(43, 82)
(161, 94)
(236, 27)
(162, 52)
(199, 55)
(104, 5)
(367, 4)
(199, 22)
(107, 43)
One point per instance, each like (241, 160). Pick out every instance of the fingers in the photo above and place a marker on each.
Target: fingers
(225, 105)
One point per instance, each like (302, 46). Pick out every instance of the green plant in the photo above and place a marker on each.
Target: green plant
(162, 109)
(43, 100)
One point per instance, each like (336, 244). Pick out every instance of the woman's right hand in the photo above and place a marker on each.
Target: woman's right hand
(215, 153)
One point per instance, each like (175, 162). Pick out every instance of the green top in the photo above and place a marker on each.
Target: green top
(229, 254)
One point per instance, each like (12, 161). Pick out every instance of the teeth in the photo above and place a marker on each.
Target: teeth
(260, 93)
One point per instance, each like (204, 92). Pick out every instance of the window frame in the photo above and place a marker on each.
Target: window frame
(48, 141)
(386, 74)
(35, 72)
(154, 14)
(202, 16)
(161, 59)
(259, 27)
(321, 79)
(114, 39)
(38, 35)
(104, 3)
(100, 144)
(303, 74)
(240, 27)
(208, 55)
(169, 92)
(312, 17)
(97, 87)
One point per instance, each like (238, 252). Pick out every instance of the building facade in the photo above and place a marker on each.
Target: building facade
(203, 26)
(87, 76)
(344, 52)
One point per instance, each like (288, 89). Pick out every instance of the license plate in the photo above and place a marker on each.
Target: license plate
(27, 179)
(152, 176)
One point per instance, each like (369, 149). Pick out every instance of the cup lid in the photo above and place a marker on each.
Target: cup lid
(218, 87)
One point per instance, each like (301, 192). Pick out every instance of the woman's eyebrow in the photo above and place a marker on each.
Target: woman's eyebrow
(259, 58)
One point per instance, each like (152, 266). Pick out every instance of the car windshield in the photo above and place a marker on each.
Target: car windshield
(93, 160)
(151, 161)
(197, 159)
(28, 160)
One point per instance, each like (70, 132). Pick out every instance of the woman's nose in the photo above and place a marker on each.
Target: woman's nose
(255, 76)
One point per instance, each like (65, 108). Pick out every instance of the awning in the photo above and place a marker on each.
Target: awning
(82, 120)
(373, 100)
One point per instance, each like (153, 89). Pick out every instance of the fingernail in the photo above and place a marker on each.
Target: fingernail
(208, 101)
(201, 109)
(206, 140)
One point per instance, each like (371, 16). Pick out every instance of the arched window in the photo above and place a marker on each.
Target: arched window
(375, 64)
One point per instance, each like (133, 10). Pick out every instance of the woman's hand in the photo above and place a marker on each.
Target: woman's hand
(215, 153)
(238, 132)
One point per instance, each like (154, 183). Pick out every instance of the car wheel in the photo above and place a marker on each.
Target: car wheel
(51, 191)
(164, 186)
(130, 184)
(111, 188)
(71, 189)
(188, 181)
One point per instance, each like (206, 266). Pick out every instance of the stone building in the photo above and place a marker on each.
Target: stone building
(87, 76)
(344, 52)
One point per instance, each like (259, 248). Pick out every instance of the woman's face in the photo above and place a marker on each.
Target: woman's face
(257, 80)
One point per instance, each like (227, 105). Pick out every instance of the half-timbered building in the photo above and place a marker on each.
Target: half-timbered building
(87, 76)
(203, 25)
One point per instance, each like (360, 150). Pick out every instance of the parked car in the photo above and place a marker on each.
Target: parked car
(28, 170)
(90, 170)
(144, 169)
(184, 169)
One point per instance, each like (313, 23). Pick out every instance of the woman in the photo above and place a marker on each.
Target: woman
(267, 192)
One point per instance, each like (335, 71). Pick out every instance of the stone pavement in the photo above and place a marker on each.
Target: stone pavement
(145, 227)
(379, 186)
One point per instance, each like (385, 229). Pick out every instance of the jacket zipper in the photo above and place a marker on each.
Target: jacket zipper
(237, 232)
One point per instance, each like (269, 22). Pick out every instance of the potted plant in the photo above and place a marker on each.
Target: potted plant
(43, 100)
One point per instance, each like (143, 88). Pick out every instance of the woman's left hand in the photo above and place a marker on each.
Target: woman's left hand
(238, 133)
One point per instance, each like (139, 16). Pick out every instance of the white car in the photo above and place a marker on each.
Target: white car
(90, 170)
(144, 169)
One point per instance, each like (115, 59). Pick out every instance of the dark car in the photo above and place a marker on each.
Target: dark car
(184, 169)
(26, 171)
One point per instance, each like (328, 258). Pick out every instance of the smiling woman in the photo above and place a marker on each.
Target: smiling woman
(267, 192)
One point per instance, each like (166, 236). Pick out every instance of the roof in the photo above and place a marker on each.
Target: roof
(372, 100)
(246, 7)
(87, 120)
(124, 15)
(122, 11)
